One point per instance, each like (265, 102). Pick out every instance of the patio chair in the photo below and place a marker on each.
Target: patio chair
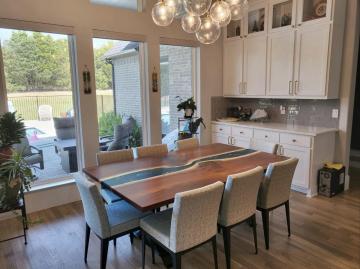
(31, 154)
(45, 112)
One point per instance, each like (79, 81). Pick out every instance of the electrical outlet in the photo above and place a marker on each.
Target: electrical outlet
(335, 113)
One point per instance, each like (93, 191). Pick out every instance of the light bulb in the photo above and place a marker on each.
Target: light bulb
(177, 5)
(162, 14)
(221, 13)
(234, 2)
(236, 12)
(197, 7)
(209, 31)
(190, 23)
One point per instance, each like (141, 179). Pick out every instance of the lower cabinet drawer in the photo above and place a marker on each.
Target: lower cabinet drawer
(296, 140)
(268, 136)
(223, 129)
(220, 138)
(241, 132)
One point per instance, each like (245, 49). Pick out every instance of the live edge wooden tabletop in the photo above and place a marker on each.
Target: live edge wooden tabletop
(160, 190)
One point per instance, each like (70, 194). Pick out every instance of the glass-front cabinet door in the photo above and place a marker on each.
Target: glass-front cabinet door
(282, 14)
(235, 29)
(313, 10)
(256, 18)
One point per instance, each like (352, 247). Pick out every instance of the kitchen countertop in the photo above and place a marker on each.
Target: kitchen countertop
(281, 127)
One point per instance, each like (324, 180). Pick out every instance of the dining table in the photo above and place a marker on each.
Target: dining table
(152, 182)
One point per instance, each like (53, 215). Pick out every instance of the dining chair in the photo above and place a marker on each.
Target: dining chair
(108, 222)
(187, 143)
(159, 150)
(275, 192)
(191, 222)
(268, 147)
(108, 157)
(239, 205)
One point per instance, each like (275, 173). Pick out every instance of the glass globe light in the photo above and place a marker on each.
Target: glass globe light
(245, 4)
(234, 2)
(162, 14)
(197, 7)
(190, 23)
(177, 5)
(221, 13)
(209, 31)
(236, 12)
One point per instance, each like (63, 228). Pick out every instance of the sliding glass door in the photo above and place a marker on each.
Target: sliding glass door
(119, 92)
(38, 79)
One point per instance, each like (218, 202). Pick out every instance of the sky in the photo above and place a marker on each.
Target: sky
(5, 34)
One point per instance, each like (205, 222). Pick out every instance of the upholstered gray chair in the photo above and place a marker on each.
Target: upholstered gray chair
(268, 147)
(108, 222)
(107, 157)
(239, 205)
(32, 155)
(160, 150)
(190, 223)
(187, 143)
(275, 192)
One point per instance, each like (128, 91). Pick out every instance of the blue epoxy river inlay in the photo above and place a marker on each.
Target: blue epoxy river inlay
(153, 172)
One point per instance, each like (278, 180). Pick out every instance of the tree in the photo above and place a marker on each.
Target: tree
(36, 61)
(103, 69)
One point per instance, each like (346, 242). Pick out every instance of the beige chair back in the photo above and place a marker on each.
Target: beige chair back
(276, 185)
(187, 143)
(107, 157)
(194, 217)
(267, 147)
(152, 151)
(240, 195)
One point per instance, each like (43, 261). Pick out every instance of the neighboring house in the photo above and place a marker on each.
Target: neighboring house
(176, 80)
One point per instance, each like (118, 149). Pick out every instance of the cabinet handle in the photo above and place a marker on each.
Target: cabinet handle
(220, 129)
(266, 136)
(296, 87)
(294, 140)
(241, 132)
(229, 140)
(232, 140)
(299, 24)
(245, 87)
(290, 87)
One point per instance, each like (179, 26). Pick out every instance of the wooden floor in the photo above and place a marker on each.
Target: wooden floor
(325, 234)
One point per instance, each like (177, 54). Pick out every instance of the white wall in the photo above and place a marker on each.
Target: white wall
(82, 18)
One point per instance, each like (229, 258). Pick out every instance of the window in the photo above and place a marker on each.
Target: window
(127, 4)
(38, 83)
(177, 82)
(119, 93)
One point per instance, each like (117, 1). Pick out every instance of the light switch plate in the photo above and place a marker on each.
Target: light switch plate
(282, 110)
(335, 113)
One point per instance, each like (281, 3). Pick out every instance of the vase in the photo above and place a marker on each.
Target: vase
(188, 113)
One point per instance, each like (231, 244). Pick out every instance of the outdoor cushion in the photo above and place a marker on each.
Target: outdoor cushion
(64, 128)
(122, 133)
(23, 147)
(33, 159)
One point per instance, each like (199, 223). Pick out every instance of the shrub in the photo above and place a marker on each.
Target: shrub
(107, 122)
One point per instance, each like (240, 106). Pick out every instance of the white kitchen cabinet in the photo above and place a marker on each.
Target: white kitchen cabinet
(254, 80)
(311, 60)
(291, 48)
(302, 173)
(233, 67)
(281, 47)
(312, 150)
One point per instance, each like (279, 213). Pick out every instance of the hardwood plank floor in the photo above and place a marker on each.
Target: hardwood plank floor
(325, 234)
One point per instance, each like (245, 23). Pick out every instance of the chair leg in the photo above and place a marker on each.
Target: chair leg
(104, 252)
(143, 236)
(265, 220)
(87, 237)
(131, 235)
(176, 261)
(152, 252)
(227, 246)
(253, 222)
(214, 246)
(287, 208)
(24, 222)
(114, 241)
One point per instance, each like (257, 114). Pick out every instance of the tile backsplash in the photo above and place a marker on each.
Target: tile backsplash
(299, 112)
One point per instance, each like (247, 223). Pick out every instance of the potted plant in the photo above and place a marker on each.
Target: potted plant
(12, 130)
(188, 106)
(15, 176)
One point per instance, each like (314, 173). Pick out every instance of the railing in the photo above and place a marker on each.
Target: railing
(28, 105)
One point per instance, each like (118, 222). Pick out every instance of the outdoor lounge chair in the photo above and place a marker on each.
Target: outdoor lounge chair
(31, 154)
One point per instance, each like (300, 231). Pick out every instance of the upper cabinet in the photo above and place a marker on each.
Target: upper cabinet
(290, 49)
